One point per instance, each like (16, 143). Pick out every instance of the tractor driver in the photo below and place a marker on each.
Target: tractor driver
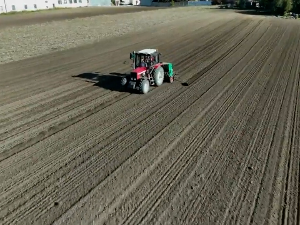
(142, 64)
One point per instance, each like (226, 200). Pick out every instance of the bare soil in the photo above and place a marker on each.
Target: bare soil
(65, 14)
(75, 148)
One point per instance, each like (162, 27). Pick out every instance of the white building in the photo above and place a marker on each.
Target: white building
(29, 5)
(2, 6)
(137, 2)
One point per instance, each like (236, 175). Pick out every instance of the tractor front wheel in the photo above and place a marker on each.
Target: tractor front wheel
(144, 86)
(159, 76)
(123, 81)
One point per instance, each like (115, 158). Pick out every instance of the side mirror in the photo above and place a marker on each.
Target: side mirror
(131, 55)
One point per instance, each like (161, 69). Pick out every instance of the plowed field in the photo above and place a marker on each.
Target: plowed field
(64, 14)
(220, 145)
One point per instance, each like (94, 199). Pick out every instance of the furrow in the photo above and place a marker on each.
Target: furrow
(118, 119)
(147, 152)
(59, 108)
(224, 55)
(123, 196)
(216, 41)
(289, 213)
(261, 132)
(284, 170)
(199, 176)
(107, 60)
(16, 116)
(210, 172)
(297, 159)
(256, 132)
(255, 145)
(103, 134)
(105, 124)
(10, 147)
(214, 50)
(25, 92)
(113, 153)
(223, 199)
(272, 141)
(65, 54)
(11, 109)
(157, 192)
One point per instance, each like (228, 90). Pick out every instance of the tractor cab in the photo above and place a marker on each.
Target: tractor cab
(145, 58)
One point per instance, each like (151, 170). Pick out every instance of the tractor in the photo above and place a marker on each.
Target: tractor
(147, 71)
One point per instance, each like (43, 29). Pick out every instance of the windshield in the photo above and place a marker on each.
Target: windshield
(140, 59)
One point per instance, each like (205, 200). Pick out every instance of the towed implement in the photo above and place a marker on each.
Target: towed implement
(147, 71)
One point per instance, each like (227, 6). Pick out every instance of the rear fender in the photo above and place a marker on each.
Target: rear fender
(157, 65)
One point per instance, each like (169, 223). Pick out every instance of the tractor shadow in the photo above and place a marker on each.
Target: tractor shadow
(111, 81)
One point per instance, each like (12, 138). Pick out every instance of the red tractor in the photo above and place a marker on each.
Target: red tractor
(147, 71)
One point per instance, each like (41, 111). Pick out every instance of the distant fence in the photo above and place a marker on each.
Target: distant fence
(183, 3)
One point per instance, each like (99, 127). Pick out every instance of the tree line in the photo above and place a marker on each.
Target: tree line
(274, 6)
(278, 6)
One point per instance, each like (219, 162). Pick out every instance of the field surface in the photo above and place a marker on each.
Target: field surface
(224, 149)
(21, 19)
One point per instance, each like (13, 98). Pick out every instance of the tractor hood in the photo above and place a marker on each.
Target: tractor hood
(139, 70)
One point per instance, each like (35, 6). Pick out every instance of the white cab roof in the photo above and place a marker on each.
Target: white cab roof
(147, 51)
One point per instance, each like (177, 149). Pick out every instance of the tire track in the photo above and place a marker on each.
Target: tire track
(84, 172)
(141, 169)
(216, 42)
(94, 62)
(287, 215)
(253, 67)
(249, 78)
(11, 110)
(220, 58)
(192, 155)
(65, 54)
(275, 142)
(38, 139)
(94, 55)
(289, 138)
(204, 52)
(4, 154)
(109, 67)
(259, 129)
(61, 70)
(257, 144)
(77, 66)
(297, 166)
(63, 106)
(245, 165)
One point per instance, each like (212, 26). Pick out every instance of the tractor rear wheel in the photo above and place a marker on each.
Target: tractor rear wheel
(159, 76)
(144, 86)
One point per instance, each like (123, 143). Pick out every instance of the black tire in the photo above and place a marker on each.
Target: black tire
(144, 86)
(159, 76)
(124, 81)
